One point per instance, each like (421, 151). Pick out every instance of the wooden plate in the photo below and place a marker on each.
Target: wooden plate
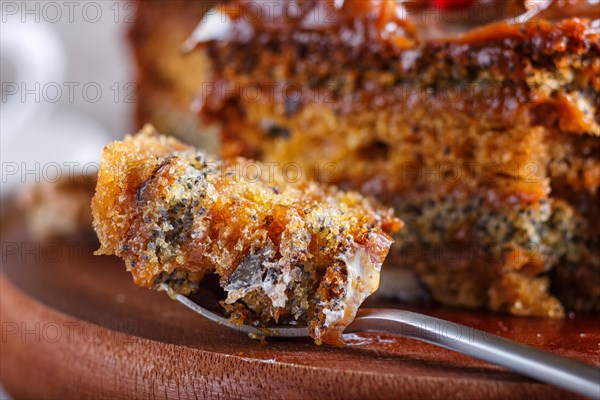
(75, 326)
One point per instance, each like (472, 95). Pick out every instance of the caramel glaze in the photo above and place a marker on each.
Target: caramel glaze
(373, 40)
(506, 53)
(394, 19)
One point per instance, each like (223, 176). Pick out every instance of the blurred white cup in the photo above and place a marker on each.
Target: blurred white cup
(33, 60)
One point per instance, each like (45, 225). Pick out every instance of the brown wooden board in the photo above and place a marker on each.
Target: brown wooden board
(75, 326)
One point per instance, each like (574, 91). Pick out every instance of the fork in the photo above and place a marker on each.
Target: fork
(534, 363)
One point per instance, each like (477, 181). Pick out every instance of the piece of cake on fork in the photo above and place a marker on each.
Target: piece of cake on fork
(286, 250)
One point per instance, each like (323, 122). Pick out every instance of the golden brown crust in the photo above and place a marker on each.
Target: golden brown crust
(284, 251)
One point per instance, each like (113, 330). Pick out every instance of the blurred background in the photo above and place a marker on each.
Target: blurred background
(67, 85)
(67, 88)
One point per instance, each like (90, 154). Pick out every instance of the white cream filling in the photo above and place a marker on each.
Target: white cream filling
(363, 279)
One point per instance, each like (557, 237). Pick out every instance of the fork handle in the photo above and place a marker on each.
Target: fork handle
(529, 361)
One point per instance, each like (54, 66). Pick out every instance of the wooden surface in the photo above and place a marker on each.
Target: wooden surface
(74, 326)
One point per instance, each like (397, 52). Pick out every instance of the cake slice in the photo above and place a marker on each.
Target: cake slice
(484, 139)
(286, 250)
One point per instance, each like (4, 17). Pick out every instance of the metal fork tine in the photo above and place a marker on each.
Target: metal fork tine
(535, 363)
(280, 331)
